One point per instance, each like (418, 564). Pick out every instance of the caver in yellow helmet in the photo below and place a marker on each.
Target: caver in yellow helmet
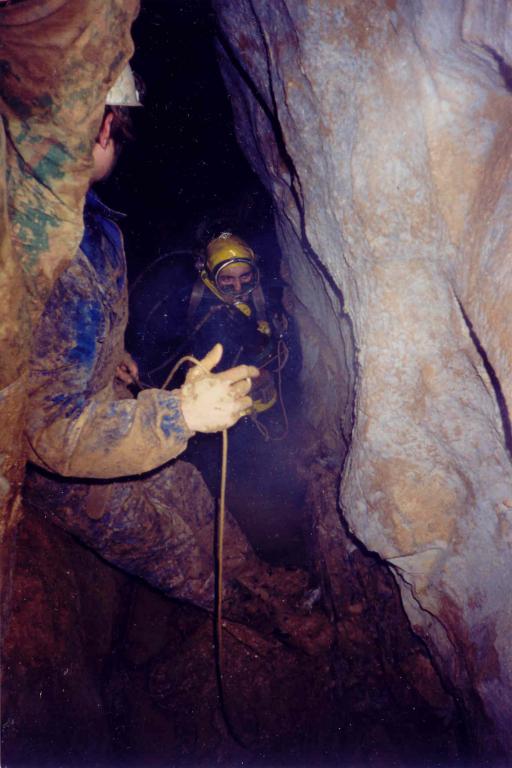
(230, 267)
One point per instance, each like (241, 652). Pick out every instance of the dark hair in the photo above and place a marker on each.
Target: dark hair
(121, 129)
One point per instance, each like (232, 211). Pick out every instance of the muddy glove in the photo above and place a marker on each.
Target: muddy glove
(211, 402)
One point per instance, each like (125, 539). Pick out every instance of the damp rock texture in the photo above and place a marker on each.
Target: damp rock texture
(101, 670)
(59, 651)
(382, 129)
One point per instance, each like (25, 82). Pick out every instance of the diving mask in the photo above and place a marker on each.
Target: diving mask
(236, 277)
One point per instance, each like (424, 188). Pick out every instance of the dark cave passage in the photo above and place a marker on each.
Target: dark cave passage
(326, 669)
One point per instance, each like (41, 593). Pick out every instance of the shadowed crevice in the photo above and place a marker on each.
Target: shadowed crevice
(496, 385)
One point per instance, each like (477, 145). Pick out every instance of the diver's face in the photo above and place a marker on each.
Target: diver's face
(236, 280)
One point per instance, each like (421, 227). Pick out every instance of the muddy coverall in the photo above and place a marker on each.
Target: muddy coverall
(159, 526)
(76, 424)
(58, 59)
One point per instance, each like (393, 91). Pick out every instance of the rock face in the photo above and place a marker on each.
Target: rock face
(382, 129)
(58, 650)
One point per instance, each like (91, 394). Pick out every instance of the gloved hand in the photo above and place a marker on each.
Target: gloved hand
(211, 402)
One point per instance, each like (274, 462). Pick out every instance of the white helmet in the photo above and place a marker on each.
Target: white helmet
(124, 92)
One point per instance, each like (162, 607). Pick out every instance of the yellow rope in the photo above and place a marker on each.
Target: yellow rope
(282, 358)
(220, 555)
(221, 518)
(185, 359)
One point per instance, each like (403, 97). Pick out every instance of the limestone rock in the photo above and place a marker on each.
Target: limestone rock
(382, 129)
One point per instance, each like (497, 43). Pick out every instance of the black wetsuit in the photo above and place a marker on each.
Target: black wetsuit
(162, 330)
(260, 474)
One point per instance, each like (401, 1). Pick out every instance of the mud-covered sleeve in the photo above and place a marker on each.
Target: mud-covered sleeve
(107, 438)
(58, 59)
(76, 427)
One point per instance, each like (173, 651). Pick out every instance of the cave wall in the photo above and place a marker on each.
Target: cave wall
(382, 130)
(327, 345)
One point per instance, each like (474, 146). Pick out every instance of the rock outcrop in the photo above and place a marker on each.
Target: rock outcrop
(382, 130)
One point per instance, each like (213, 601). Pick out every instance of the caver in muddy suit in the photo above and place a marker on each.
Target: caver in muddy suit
(158, 526)
(174, 312)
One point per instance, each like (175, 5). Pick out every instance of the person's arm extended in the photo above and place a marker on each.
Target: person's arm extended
(105, 438)
(76, 427)
(109, 438)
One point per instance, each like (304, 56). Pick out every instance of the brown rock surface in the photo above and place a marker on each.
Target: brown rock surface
(101, 670)
(382, 129)
(66, 605)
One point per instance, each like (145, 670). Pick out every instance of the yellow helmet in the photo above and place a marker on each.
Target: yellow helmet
(228, 249)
